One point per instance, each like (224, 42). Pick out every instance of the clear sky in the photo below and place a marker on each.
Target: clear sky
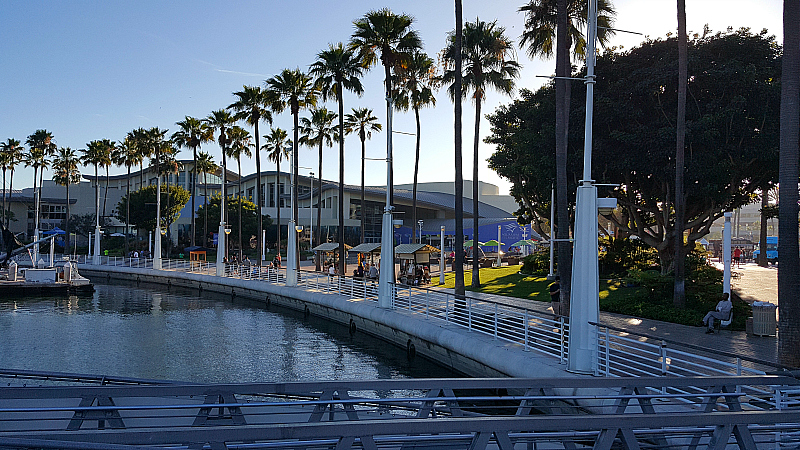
(87, 70)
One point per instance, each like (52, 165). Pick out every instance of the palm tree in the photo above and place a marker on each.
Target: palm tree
(295, 90)
(94, 155)
(127, 154)
(220, 120)
(9, 155)
(169, 166)
(139, 138)
(365, 123)
(153, 140)
(679, 292)
(382, 31)
(488, 55)
(562, 20)
(251, 106)
(338, 69)
(788, 282)
(240, 144)
(65, 172)
(416, 81)
(205, 165)
(277, 147)
(458, 288)
(15, 157)
(41, 146)
(317, 131)
(192, 133)
(107, 148)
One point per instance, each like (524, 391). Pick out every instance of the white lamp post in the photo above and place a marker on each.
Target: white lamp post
(726, 254)
(311, 214)
(550, 276)
(222, 237)
(419, 222)
(157, 245)
(387, 248)
(499, 235)
(442, 263)
(291, 238)
(584, 295)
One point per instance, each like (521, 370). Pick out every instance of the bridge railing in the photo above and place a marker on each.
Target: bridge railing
(620, 352)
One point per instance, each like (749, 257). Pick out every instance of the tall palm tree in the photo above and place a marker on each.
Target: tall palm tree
(338, 69)
(295, 90)
(41, 146)
(251, 106)
(240, 144)
(788, 282)
(192, 133)
(127, 154)
(169, 166)
(679, 291)
(94, 155)
(140, 140)
(458, 288)
(65, 172)
(277, 147)
(107, 148)
(388, 36)
(315, 132)
(14, 157)
(154, 140)
(204, 165)
(220, 121)
(416, 82)
(9, 154)
(362, 120)
(488, 56)
(562, 20)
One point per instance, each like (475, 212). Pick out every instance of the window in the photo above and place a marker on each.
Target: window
(250, 194)
(271, 192)
(263, 195)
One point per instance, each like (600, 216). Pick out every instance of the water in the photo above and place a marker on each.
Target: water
(150, 331)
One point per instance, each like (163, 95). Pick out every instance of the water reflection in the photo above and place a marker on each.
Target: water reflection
(171, 333)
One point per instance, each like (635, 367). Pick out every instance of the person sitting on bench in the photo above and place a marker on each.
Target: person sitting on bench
(723, 312)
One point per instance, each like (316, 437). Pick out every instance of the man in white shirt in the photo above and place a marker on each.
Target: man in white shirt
(723, 312)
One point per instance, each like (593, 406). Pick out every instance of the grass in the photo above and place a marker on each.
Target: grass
(505, 281)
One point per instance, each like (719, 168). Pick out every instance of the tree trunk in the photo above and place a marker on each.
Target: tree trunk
(789, 266)
(205, 209)
(10, 192)
(762, 238)
(292, 234)
(260, 196)
(679, 293)
(278, 204)
(562, 116)
(363, 206)
(317, 256)
(194, 193)
(128, 211)
(258, 209)
(105, 196)
(458, 157)
(476, 268)
(416, 171)
(66, 221)
(342, 251)
(223, 212)
(3, 220)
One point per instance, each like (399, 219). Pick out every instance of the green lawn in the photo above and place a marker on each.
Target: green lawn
(506, 281)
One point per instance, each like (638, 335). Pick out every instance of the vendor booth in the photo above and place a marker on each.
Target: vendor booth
(366, 256)
(415, 263)
(329, 254)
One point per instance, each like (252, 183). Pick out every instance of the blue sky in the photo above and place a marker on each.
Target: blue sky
(88, 70)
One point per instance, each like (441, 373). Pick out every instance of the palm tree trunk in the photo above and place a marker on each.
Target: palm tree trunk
(36, 194)
(476, 270)
(788, 281)
(363, 206)
(239, 197)
(318, 257)
(458, 157)
(679, 293)
(3, 220)
(105, 194)
(205, 209)
(278, 204)
(342, 251)
(416, 172)
(194, 191)
(224, 202)
(762, 254)
(390, 162)
(10, 192)
(259, 194)
(291, 234)
(128, 209)
(66, 221)
(562, 115)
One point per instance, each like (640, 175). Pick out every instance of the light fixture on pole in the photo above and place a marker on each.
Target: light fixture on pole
(550, 276)
(291, 244)
(442, 263)
(311, 213)
(419, 222)
(726, 254)
(499, 241)
(222, 235)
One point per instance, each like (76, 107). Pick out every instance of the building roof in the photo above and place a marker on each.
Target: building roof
(407, 249)
(366, 248)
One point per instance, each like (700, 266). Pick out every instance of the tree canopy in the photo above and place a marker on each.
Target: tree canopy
(249, 218)
(143, 206)
(731, 134)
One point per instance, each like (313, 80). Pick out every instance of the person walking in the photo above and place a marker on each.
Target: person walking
(737, 257)
(555, 296)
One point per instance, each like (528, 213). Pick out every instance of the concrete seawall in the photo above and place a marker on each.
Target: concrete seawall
(470, 353)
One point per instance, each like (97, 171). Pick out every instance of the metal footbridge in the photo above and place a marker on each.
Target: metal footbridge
(64, 411)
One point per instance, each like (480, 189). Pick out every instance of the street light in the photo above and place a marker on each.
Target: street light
(419, 222)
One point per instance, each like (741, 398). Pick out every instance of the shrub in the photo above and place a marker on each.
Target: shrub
(537, 263)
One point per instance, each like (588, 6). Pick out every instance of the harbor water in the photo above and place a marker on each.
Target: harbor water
(155, 332)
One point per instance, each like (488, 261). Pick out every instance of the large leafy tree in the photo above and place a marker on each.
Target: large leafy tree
(561, 22)
(416, 82)
(65, 173)
(732, 139)
(383, 35)
(316, 132)
(240, 144)
(205, 165)
(242, 211)
(10, 156)
(488, 58)
(192, 133)
(338, 69)
(362, 121)
(142, 210)
(252, 105)
(788, 281)
(295, 90)
(277, 146)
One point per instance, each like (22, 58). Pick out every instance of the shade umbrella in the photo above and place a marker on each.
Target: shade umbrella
(492, 243)
(117, 235)
(469, 243)
(55, 230)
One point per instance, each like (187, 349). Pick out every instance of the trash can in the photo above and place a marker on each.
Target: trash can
(764, 323)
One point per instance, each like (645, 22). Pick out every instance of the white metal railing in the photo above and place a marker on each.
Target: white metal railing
(619, 352)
